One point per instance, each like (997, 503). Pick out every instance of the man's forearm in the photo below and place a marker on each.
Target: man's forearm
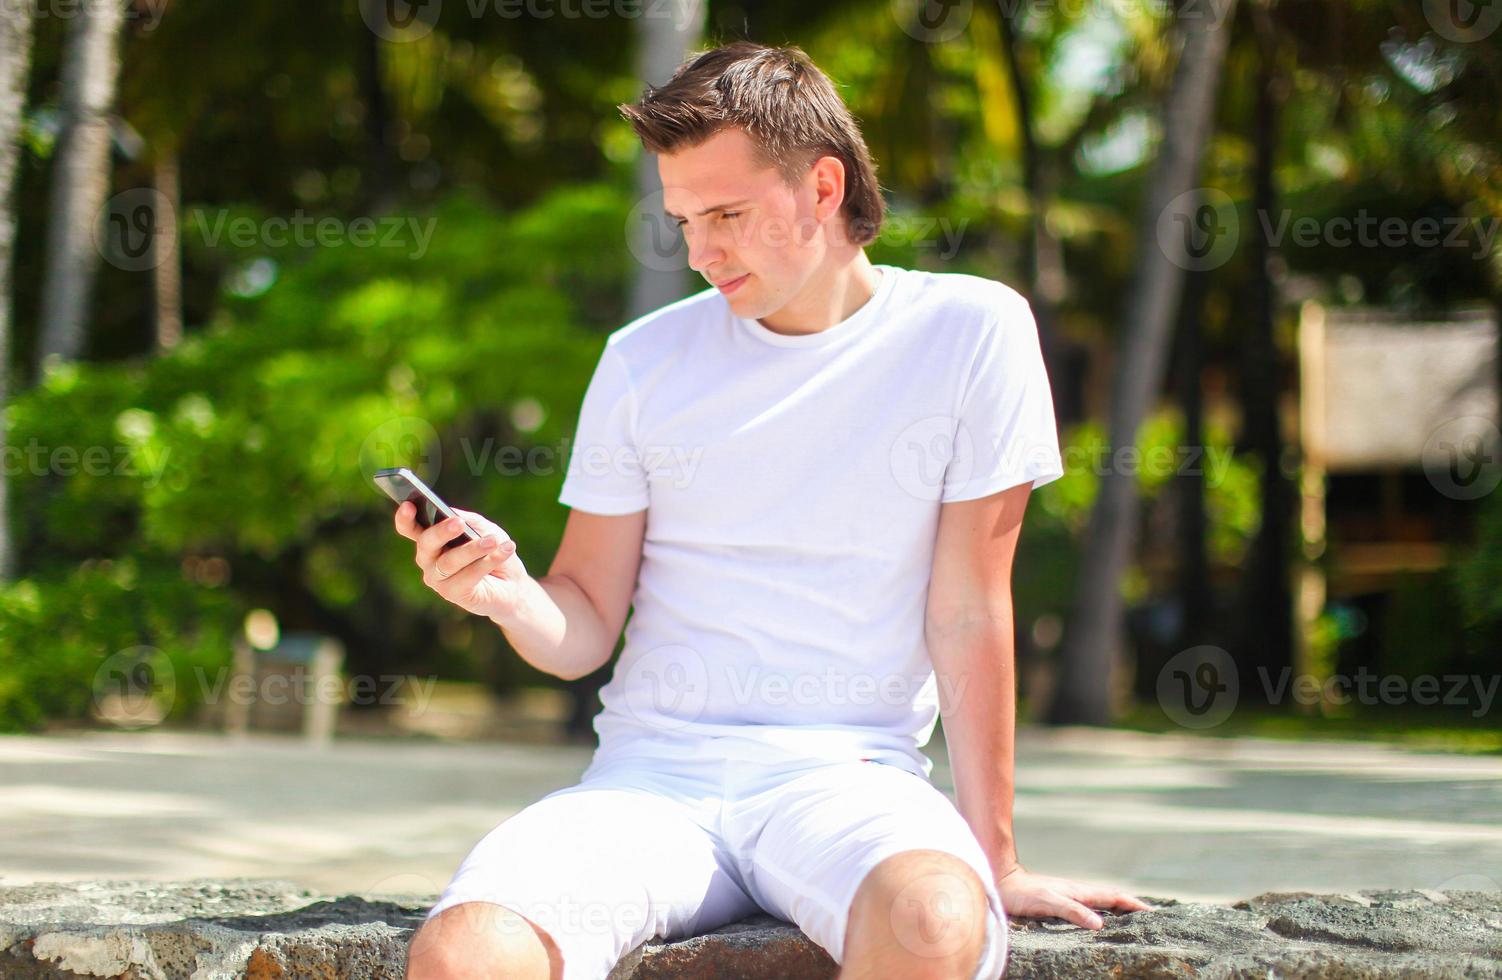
(978, 700)
(556, 628)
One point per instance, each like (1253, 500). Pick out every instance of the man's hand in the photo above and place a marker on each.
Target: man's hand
(481, 577)
(1030, 896)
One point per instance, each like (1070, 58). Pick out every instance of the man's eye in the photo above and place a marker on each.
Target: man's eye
(730, 214)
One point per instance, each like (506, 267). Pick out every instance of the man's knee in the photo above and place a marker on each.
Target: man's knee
(930, 904)
(481, 939)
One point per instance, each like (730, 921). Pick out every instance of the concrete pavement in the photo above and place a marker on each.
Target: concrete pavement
(1167, 815)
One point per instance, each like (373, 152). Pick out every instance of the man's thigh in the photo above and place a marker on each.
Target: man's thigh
(602, 869)
(824, 830)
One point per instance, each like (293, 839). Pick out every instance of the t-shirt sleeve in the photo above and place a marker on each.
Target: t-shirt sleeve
(605, 474)
(1006, 433)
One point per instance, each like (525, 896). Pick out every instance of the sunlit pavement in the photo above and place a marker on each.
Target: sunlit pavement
(1168, 816)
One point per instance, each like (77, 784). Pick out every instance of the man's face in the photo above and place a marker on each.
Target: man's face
(757, 229)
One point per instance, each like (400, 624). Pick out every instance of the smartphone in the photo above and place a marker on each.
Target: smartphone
(401, 484)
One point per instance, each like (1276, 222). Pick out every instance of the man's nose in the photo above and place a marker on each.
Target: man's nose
(703, 251)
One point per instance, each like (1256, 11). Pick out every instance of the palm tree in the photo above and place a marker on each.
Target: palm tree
(15, 65)
(91, 68)
(1082, 694)
(663, 42)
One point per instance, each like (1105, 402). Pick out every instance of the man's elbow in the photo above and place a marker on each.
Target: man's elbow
(968, 618)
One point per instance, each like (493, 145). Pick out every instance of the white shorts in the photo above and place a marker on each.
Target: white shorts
(645, 848)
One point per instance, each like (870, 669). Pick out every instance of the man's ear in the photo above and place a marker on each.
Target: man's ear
(828, 174)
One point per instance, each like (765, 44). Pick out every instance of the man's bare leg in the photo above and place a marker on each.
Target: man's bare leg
(480, 939)
(919, 914)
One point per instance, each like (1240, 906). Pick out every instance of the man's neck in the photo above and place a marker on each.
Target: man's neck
(831, 297)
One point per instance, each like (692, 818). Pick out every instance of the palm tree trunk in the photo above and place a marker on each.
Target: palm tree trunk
(662, 44)
(1266, 621)
(80, 182)
(1046, 253)
(166, 264)
(1083, 692)
(15, 67)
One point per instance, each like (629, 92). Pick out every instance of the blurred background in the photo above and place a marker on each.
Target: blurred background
(251, 253)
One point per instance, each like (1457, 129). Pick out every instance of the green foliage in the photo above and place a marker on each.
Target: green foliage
(253, 441)
(1056, 521)
(1475, 575)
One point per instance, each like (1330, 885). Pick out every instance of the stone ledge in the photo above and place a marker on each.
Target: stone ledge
(261, 929)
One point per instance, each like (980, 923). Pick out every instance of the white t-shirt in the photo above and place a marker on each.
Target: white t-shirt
(792, 486)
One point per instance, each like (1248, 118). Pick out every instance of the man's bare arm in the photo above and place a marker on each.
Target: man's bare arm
(971, 642)
(968, 626)
(567, 622)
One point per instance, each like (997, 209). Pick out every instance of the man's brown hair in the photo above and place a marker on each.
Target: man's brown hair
(786, 105)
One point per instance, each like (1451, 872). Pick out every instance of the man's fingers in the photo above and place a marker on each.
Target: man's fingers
(1080, 915)
(1100, 897)
(1121, 900)
(482, 524)
(406, 520)
(463, 582)
(430, 543)
(460, 556)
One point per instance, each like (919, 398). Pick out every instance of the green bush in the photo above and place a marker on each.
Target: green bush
(238, 463)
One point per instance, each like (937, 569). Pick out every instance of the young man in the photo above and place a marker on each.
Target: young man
(807, 483)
